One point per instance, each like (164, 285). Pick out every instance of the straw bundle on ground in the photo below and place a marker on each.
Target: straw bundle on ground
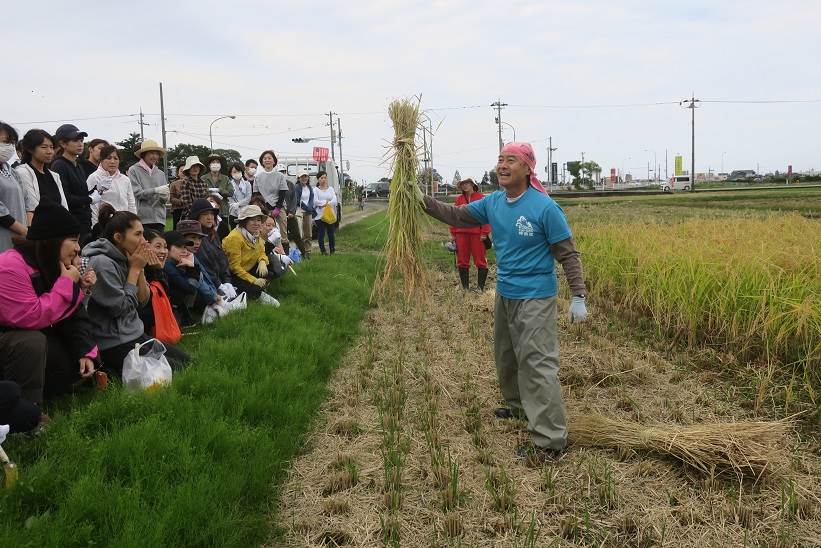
(405, 215)
(744, 448)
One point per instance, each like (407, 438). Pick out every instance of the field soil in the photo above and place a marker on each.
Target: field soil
(439, 354)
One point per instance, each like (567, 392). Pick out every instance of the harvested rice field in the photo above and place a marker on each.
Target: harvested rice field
(406, 450)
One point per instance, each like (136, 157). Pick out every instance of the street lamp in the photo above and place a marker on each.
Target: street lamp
(511, 127)
(622, 168)
(211, 125)
(655, 163)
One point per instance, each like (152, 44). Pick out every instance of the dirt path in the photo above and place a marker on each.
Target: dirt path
(421, 385)
(355, 215)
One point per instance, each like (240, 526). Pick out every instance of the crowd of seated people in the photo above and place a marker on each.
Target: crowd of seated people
(88, 267)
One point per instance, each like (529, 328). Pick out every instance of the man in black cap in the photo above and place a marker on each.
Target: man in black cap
(70, 142)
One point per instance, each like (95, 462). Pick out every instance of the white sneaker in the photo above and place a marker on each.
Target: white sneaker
(265, 298)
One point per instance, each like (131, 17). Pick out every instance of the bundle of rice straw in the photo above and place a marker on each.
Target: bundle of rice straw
(744, 448)
(405, 215)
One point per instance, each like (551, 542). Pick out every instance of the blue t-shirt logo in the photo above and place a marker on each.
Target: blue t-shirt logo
(524, 227)
(523, 232)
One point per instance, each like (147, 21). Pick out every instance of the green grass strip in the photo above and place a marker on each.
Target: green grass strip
(200, 463)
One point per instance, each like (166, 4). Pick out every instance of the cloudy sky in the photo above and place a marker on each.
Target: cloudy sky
(566, 68)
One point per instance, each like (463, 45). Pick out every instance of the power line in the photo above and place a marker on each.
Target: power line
(761, 101)
(613, 105)
(76, 119)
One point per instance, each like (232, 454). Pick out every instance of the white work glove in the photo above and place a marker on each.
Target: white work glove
(260, 282)
(162, 191)
(228, 290)
(96, 197)
(286, 260)
(262, 269)
(577, 313)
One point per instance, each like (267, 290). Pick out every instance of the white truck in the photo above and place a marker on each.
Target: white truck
(291, 165)
(677, 182)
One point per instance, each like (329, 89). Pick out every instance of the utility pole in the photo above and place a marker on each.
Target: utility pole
(341, 169)
(498, 105)
(550, 151)
(162, 123)
(425, 152)
(692, 106)
(142, 124)
(666, 174)
(331, 125)
(581, 168)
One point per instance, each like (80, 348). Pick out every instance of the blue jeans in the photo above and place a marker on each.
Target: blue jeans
(321, 228)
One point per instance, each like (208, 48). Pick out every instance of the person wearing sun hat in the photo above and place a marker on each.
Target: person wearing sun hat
(194, 186)
(531, 234)
(245, 249)
(150, 185)
(470, 241)
(210, 252)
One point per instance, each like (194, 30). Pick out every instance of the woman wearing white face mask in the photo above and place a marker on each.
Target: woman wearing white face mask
(12, 193)
(217, 181)
(241, 195)
(114, 187)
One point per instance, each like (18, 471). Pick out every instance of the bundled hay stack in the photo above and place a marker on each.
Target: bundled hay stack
(405, 215)
(743, 448)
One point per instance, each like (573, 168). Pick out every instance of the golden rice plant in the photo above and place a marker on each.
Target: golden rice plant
(752, 286)
(402, 251)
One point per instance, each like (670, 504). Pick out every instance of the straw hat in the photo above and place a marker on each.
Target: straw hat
(190, 162)
(149, 145)
(471, 181)
(249, 212)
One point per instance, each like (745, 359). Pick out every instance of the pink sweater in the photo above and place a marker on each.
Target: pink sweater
(21, 307)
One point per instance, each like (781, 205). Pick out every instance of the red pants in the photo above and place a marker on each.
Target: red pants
(468, 245)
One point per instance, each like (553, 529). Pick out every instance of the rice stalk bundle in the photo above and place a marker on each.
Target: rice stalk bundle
(402, 253)
(747, 449)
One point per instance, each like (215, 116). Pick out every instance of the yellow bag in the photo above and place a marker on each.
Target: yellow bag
(328, 215)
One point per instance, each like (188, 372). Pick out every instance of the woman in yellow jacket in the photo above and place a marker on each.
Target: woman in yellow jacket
(247, 260)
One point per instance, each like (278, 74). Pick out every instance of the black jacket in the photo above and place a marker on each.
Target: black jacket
(75, 332)
(75, 188)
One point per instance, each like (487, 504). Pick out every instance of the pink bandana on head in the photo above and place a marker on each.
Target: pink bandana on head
(524, 152)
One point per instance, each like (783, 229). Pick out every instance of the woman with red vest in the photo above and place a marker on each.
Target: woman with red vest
(470, 241)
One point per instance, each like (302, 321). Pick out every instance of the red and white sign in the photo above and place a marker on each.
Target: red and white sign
(320, 154)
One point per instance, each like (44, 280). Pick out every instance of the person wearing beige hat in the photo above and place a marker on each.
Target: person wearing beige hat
(245, 249)
(194, 186)
(150, 185)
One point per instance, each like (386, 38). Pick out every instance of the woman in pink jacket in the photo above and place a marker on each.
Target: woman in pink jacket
(470, 241)
(41, 290)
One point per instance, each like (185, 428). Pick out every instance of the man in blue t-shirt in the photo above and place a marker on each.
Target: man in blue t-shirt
(530, 234)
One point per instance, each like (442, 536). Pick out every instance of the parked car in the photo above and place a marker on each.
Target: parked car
(677, 182)
(380, 189)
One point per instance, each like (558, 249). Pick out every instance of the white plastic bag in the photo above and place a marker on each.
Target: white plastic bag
(146, 367)
(213, 312)
(239, 303)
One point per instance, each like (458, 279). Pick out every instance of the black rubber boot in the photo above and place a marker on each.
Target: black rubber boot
(464, 277)
(482, 278)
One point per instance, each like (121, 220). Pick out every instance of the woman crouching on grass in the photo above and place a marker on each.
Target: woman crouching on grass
(119, 258)
(248, 261)
(46, 342)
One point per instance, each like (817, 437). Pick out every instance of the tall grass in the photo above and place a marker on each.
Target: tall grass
(197, 464)
(750, 285)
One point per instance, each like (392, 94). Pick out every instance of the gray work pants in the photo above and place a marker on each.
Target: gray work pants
(527, 365)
